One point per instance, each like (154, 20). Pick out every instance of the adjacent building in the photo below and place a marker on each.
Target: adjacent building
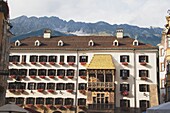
(4, 48)
(83, 73)
(164, 63)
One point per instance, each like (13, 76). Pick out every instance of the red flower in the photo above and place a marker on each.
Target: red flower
(52, 63)
(51, 76)
(43, 63)
(70, 77)
(71, 63)
(125, 63)
(83, 63)
(61, 63)
(61, 76)
(33, 63)
(83, 77)
(33, 76)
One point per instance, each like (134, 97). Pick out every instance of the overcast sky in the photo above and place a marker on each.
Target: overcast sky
(144, 13)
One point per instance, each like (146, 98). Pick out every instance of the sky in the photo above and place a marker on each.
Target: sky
(143, 13)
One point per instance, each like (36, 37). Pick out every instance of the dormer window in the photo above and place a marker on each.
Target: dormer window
(37, 43)
(60, 43)
(91, 43)
(115, 43)
(135, 43)
(17, 43)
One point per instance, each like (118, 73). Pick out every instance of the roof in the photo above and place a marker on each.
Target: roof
(101, 61)
(162, 108)
(12, 108)
(80, 42)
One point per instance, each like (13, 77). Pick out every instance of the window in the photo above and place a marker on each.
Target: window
(168, 42)
(70, 72)
(60, 43)
(115, 43)
(42, 72)
(49, 101)
(124, 73)
(70, 58)
(40, 101)
(37, 43)
(143, 73)
(162, 67)
(124, 103)
(60, 86)
(161, 51)
(23, 60)
(31, 86)
(20, 85)
(13, 72)
(70, 86)
(22, 72)
(143, 88)
(42, 58)
(17, 43)
(41, 85)
(100, 99)
(69, 101)
(82, 86)
(11, 85)
(124, 87)
(135, 43)
(81, 101)
(168, 93)
(144, 104)
(33, 58)
(124, 58)
(143, 58)
(61, 58)
(59, 101)
(168, 67)
(83, 58)
(32, 72)
(9, 99)
(91, 43)
(162, 83)
(30, 100)
(52, 59)
(82, 72)
(60, 72)
(14, 58)
(19, 101)
(51, 72)
(50, 85)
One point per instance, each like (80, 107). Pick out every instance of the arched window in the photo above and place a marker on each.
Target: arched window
(60, 43)
(37, 43)
(135, 43)
(91, 43)
(115, 43)
(17, 43)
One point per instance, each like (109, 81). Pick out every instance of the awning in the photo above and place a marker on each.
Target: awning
(101, 61)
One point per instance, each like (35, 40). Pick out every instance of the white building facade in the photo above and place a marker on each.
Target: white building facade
(83, 74)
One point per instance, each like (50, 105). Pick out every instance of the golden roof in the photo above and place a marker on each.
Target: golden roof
(101, 61)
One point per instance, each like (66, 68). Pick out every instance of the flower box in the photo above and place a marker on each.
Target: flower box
(83, 77)
(29, 105)
(51, 76)
(49, 106)
(19, 90)
(12, 90)
(83, 63)
(40, 90)
(51, 90)
(61, 76)
(58, 106)
(61, 63)
(124, 78)
(70, 77)
(143, 63)
(23, 63)
(15, 63)
(33, 63)
(33, 76)
(144, 78)
(68, 106)
(125, 93)
(69, 90)
(52, 63)
(12, 76)
(82, 91)
(39, 105)
(125, 63)
(70, 63)
(42, 76)
(82, 106)
(43, 63)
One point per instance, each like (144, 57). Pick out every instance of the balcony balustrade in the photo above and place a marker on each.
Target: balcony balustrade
(101, 85)
(100, 106)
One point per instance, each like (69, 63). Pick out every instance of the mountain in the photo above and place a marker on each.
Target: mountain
(23, 25)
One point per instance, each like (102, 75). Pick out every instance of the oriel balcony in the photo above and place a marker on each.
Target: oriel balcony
(104, 106)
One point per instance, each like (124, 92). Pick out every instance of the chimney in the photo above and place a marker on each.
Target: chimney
(119, 33)
(47, 33)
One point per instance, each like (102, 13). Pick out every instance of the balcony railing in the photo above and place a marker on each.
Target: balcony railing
(100, 106)
(109, 85)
